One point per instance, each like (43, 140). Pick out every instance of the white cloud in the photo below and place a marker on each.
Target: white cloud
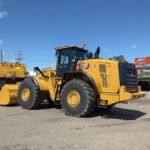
(133, 46)
(32, 73)
(13, 60)
(1, 41)
(3, 14)
(106, 50)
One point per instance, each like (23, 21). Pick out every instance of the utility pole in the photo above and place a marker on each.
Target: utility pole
(19, 56)
(1, 56)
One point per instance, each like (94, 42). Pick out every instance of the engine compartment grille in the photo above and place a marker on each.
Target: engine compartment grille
(128, 76)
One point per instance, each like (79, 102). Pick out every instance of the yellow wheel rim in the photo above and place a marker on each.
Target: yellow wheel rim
(25, 94)
(73, 98)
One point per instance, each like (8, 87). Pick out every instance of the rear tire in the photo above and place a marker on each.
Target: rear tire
(33, 100)
(83, 96)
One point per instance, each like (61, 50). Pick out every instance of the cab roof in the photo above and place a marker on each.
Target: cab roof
(71, 46)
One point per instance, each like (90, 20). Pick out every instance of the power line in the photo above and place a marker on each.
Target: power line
(1, 56)
(19, 56)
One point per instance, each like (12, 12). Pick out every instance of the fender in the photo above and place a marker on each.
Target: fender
(87, 75)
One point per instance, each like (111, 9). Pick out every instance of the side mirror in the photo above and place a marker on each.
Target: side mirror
(38, 69)
(89, 55)
(97, 52)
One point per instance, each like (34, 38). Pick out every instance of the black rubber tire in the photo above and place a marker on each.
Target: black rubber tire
(34, 100)
(87, 101)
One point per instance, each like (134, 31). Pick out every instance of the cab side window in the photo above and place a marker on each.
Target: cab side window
(64, 59)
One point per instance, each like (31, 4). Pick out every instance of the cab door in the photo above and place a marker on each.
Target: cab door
(62, 64)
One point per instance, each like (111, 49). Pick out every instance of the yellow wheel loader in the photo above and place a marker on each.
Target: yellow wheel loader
(81, 82)
(11, 75)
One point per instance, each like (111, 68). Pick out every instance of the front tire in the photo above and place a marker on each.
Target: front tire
(78, 98)
(28, 94)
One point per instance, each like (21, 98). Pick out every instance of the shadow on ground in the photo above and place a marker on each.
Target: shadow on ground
(114, 113)
(44, 105)
(48, 106)
(118, 113)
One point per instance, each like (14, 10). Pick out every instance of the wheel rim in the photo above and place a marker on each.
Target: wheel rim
(25, 94)
(73, 98)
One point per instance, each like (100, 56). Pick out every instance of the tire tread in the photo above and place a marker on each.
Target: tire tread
(90, 97)
(37, 100)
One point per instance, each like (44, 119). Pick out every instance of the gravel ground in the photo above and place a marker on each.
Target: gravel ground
(125, 127)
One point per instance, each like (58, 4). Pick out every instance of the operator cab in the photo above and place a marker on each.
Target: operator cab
(67, 58)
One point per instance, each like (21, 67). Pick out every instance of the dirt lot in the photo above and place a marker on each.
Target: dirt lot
(125, 127)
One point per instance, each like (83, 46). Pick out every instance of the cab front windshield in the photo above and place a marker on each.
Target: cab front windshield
(66, 57)
(77, 55)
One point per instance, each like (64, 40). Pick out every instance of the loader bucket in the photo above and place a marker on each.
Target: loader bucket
(8, 94)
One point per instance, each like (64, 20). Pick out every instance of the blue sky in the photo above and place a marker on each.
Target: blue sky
(36, 27)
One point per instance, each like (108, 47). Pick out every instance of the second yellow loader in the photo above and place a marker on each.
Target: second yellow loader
(11, 76)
